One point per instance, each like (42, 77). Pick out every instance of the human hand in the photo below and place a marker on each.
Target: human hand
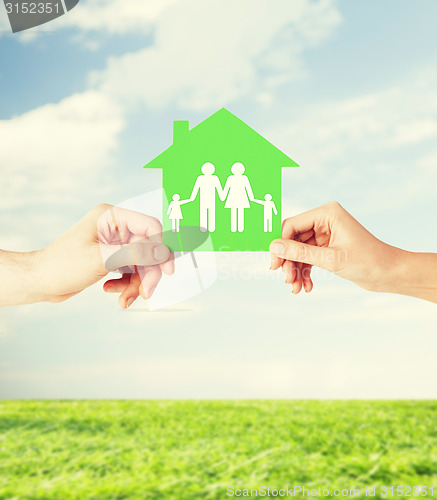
(121, 239)
(330, 238)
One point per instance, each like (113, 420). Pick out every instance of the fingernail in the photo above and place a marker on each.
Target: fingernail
(277, 248)
(109, 289)
(160, 252)
(129, 302)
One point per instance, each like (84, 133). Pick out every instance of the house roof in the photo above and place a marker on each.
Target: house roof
(222, 126)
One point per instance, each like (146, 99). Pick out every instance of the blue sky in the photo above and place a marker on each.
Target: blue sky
(345, 88)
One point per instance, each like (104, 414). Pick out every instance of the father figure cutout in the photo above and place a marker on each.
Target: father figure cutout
(207, 184)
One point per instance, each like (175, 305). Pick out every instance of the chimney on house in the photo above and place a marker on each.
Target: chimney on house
(180, 130)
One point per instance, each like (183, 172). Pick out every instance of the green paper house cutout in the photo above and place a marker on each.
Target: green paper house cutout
(238, 223)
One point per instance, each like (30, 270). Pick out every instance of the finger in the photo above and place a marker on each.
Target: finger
(289, 232)
(275, 262)
(294, 270)
(131, 292)
(168, 267)
(297, 283)
(289, 270)
(302, 223)
(302, 252)
(304, 237)
(298, 224)
(138, 224)
(306, 268)
(150, 277)
(142, 253)
(116, 285)
(111, 231)
(306, 278)
(120, 226)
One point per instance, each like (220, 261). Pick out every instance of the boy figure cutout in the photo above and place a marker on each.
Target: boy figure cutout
(269, 210)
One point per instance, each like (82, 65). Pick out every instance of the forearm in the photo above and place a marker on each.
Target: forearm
(18, 282)
(417, 276)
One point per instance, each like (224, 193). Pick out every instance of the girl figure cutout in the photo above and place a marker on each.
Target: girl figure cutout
(238, 192)
(174, 212)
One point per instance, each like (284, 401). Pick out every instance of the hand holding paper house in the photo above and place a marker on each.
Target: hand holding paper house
(221, 169)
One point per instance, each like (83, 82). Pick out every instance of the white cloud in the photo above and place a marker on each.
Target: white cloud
(207, 54)
(59, 150)
(429, 161)
(202, 55)
(389, 119)
(313, 20)
(384, 140)
(5, 27)
(117, 16)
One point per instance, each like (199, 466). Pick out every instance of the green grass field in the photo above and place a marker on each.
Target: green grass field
(194, 449)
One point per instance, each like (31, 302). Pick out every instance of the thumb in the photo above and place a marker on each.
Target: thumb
(301, 252)
(135, 254)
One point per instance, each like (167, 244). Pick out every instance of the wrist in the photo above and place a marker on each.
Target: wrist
(20, 283)
(395, 273)
(33, 278)
(44, 276)
(413, 274)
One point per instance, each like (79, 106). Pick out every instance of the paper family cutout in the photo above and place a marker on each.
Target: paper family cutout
(209, 176)
(237, 193)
